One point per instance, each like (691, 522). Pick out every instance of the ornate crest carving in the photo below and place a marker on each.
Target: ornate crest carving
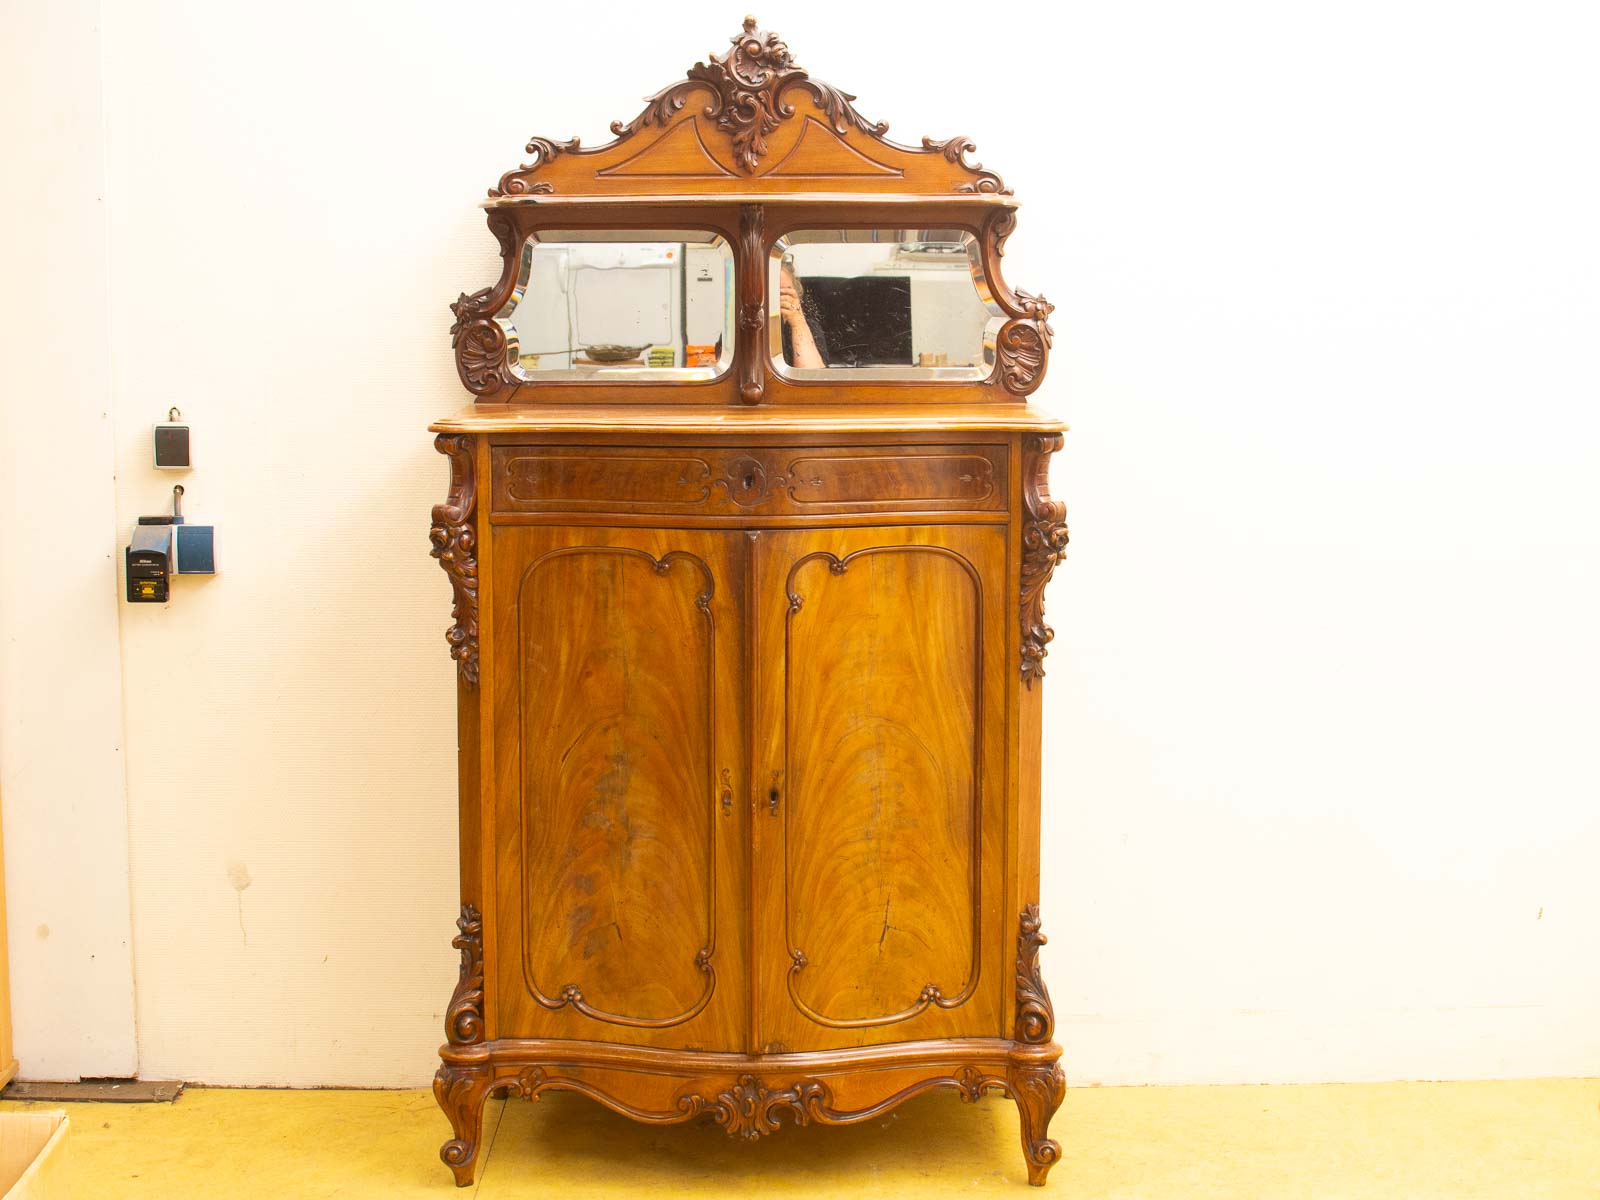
(744, 88)
(455, 541)
(463, 1020)
(1044, 544)
(1036, 1020)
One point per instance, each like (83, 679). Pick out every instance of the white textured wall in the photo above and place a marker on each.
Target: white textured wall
(1320, 708)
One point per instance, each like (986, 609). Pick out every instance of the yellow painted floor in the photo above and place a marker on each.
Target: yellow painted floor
(1523, 1140)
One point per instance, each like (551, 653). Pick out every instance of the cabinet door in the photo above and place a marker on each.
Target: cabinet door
(619, 861)
(878, 831)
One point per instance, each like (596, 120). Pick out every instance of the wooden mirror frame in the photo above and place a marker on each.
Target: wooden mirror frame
(769, 151)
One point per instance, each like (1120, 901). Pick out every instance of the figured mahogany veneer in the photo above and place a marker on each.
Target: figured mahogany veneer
(763, 481)
(747, 670)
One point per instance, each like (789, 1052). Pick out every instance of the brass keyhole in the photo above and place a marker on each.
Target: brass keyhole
(749, 482)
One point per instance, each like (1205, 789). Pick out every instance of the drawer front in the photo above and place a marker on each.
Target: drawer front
(740, 481)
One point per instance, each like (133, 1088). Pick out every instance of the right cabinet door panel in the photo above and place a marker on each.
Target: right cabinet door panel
(878, 831)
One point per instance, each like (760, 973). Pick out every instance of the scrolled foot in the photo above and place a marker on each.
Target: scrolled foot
(461, 1092)
(1038, 1092)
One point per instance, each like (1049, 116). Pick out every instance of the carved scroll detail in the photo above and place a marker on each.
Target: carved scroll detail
(1022, 347)
(477, 338)
(455, 543)
(1036, 1020)
(516, 183)
(750, 1109)
(463, 1020)
(956, 150)
(1044, 544)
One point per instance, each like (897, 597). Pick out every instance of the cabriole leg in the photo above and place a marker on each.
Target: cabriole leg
(1038, 1092)
(461, 1092)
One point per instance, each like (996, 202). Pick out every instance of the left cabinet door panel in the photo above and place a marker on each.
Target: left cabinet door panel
(620, 864)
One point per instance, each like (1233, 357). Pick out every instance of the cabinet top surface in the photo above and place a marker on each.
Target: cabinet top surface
(764, 418)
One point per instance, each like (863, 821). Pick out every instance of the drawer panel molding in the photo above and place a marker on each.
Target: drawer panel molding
(769, 481)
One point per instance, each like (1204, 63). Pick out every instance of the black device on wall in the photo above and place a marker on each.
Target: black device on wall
(164, 546)
(149, 564)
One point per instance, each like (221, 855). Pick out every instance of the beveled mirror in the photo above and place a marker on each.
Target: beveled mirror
(625, 303)
(890, 304)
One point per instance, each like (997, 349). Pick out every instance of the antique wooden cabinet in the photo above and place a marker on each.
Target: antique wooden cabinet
(748, 531)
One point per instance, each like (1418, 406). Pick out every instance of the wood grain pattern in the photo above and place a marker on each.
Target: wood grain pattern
(881, 722)
(766, 481)
(618, 670)
(878, 650)
(619, 645)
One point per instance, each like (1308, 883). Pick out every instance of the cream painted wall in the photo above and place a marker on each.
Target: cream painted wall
(1318, 771)
(61, 737)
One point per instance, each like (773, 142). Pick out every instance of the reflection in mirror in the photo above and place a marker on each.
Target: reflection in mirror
(598, 303)
(881, 303)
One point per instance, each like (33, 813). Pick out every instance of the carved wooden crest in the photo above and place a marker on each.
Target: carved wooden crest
(750, 118)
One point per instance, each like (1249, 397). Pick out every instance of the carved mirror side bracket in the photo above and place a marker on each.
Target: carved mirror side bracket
(1044, 544)
(477, 338)
(1036, 1020)
(455, 542)
(463, 1022)
(1022, 347)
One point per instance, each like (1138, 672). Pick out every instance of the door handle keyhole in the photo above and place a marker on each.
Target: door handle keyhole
(772, 800)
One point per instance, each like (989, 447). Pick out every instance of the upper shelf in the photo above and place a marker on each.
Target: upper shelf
(749, 126)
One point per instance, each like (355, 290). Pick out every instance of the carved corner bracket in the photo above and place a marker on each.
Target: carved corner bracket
(1035, 1020)
(477, 338)
(455, 543)
(463, 1021)
(1022, 347)
(1044, 544)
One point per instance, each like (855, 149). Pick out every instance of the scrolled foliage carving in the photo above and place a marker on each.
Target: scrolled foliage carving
(477, 338)
(463, 1022)
(455, 544)
(1035, 1020)
(1044, 544)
